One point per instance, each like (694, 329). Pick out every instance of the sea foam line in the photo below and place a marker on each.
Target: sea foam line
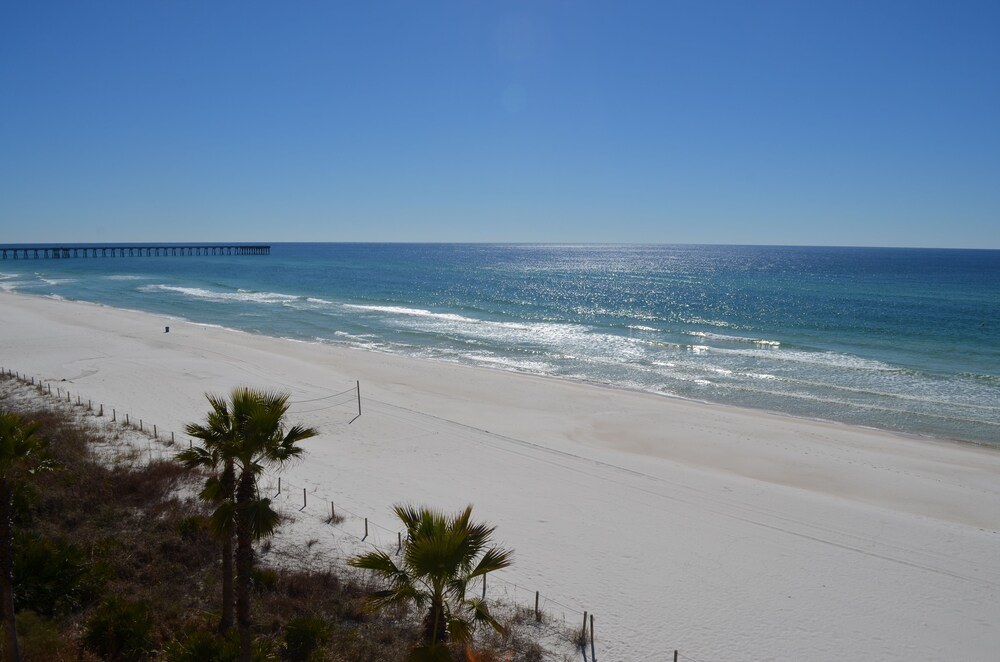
(247, 296)
(741, 339)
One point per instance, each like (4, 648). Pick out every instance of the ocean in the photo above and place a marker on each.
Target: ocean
(893, 338)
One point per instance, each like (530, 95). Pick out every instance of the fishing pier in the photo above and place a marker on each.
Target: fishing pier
(67, 252)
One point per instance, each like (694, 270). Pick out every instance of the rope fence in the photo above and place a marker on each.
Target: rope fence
(363, 530)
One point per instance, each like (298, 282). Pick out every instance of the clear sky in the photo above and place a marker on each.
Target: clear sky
(703, 121)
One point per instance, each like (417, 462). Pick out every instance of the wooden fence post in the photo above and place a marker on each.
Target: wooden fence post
(584, 633)
(366, 530)
(593, 654)
(538, 615)
(303, 498)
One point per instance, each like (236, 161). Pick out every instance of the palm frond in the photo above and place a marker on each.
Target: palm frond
(377, 561)
(481, 615)
(410, 516)
(397, 595)
(263, 519)
(459, 629)
(222, 519)
(494, 559)
(198, 457)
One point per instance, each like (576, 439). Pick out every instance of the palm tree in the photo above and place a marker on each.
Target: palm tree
(21, 452)
(218, 434)
(441, 556)
(248, 435)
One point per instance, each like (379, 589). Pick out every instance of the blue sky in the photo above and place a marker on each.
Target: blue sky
(809, 122)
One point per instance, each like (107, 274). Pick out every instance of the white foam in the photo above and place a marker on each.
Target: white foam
(414, 312)
(829, 359)
(11, 286)
(249, 296)
(356, 339)
(451, 324)
(736, 339)
(719, 323)
(758, 375)
(509, 363)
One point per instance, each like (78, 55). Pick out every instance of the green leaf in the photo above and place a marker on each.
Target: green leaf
(441, 555)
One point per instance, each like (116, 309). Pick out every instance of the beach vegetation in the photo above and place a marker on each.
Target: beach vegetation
(441, 557)
(304, 637)
(23, 452)
(113, 543)
(243, 436)
(120, 630)
(54, 576)
(218, 434)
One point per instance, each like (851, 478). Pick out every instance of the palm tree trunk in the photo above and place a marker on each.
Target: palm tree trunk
(7, 570)
(244, 563)
(228, 602)
(435, 624)
(228, 594)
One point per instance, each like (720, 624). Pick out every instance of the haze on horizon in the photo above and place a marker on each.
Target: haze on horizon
(821, 123)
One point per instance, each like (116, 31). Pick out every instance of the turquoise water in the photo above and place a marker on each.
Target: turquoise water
(900, 339)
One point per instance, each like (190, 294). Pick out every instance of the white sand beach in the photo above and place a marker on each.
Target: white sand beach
(724, 533)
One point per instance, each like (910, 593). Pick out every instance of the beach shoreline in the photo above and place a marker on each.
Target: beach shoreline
(547, 459)
(336, 346)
